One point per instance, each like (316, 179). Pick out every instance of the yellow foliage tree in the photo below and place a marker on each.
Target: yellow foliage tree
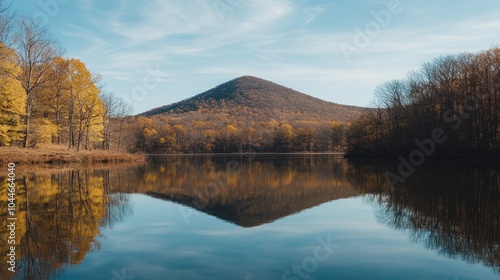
(12, 98)
(53, 102)
(68, 107)
(86, 110)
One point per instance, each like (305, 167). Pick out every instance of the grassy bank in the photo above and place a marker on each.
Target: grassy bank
(54, 154)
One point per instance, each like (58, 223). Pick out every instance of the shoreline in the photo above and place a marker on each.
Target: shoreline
(57, 155)
(439, 157)
(251, 154)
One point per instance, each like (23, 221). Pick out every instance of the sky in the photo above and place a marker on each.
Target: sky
(156, 52)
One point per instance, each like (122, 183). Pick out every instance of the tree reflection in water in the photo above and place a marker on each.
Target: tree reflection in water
(452, 207)
(60, 216)
(449, 206)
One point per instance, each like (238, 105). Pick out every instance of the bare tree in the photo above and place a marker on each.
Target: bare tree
(116, 110)
(36, 50)
(123, 111)
(7, 17)
(110, 105)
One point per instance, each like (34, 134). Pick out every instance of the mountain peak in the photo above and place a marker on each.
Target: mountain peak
(247, 83)
(260, 99)
(248, 78)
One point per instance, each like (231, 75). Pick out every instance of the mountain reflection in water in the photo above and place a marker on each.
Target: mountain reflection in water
(452, 207)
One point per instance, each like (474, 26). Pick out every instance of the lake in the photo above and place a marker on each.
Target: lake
(256, 217)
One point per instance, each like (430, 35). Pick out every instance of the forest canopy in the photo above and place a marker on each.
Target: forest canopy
(456, 95)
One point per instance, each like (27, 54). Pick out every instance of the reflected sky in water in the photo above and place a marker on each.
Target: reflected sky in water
(228, 217)
(159, 243)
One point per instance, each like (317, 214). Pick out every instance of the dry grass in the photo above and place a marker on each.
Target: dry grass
(53, 154)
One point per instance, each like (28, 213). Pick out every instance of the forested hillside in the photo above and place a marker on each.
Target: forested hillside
(260, 100)
(246, 114)
(450, 107)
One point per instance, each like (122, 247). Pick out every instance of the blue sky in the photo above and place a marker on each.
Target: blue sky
(156, 52)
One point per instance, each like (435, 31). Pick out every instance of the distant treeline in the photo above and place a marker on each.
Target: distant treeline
(454, 100)
(162, 134)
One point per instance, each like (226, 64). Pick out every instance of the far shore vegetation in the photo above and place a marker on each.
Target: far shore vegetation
(455, 99)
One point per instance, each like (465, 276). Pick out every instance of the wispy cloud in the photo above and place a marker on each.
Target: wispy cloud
(311, 13)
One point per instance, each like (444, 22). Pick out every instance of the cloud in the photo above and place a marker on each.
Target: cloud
(312, 12)
(161, 31)
(158, 20)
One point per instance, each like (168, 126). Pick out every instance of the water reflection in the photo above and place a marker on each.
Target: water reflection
(248, 191)
(59, 220)
(450, 207)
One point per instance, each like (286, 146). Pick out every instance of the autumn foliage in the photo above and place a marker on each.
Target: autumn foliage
(458, 95)
(246, 114)
(45, 97)
(12, 97)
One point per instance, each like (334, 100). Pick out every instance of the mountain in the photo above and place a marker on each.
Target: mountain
(246, 114)
(250, 98)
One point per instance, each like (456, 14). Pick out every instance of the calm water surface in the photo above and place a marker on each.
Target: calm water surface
(265, 217)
